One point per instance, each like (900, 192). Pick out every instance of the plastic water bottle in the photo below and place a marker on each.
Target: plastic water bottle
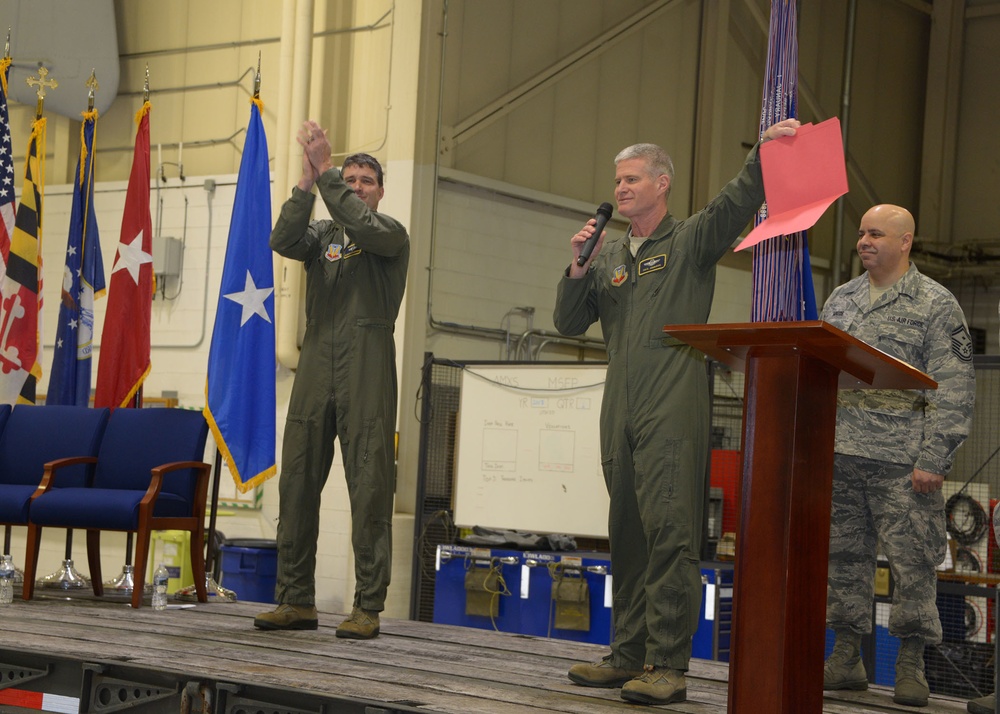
(6, 580)
(160, 577)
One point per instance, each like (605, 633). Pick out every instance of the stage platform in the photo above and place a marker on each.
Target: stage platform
(98, 655)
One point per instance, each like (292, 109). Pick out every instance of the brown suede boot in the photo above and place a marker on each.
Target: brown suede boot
(601, 674)
(911, 685)
(656, 685)
(983, 705)
(361, 625)
(844, 668)
(288, 617)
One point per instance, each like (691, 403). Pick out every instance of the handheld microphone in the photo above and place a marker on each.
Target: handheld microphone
(603, 216)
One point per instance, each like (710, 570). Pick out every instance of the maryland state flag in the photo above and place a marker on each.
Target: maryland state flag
(6, 173)
(22, 288)
(83, 280)
(124, 361)
(240, 392)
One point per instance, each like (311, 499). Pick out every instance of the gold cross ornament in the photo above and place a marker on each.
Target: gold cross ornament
(42, 83)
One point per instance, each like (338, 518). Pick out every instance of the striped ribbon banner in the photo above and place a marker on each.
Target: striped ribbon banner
(782, 277)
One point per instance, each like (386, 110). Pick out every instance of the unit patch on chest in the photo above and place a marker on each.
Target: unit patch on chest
(651, 265)
(619, 276)
(352, 250)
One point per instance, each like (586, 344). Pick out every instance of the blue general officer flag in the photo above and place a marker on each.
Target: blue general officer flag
(83, 280)
(240, 390)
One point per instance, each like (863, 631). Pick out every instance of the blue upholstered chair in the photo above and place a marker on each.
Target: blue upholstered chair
(35, 435)
(149, 475)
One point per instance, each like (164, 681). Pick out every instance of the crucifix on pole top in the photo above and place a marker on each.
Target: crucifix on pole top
(42, 83)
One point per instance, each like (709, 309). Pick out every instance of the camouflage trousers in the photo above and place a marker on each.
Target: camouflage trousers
(874, 504)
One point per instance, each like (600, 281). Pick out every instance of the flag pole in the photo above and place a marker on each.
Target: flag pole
(66, 577)
(214, 590)
(18, 573)
(125, 582)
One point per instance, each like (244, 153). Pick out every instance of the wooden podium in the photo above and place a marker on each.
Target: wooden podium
(793, 371)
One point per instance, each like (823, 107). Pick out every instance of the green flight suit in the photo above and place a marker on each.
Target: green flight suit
(655, 415)
(345, 385)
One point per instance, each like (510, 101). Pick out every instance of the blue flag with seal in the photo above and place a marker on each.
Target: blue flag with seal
(240, 390)
(82, 282)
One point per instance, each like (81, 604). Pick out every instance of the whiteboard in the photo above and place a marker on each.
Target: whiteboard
(528, 449)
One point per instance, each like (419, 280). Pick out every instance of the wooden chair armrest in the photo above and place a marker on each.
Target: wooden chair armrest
(49, 475)
(156, 482)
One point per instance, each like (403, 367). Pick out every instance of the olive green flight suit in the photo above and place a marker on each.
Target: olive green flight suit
(655, 415)
(345, 385)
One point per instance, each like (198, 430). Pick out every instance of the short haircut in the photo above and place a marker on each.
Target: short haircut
(657, 160)
(364, 160)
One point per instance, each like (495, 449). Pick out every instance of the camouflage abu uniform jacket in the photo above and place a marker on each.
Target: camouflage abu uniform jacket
(920, 322)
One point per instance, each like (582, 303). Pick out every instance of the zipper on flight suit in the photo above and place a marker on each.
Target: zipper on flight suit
(633, 261)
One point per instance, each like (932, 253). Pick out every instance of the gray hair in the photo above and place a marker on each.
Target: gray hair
(657, 160)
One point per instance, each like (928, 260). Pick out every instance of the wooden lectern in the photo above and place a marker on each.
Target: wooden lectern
(793, 371)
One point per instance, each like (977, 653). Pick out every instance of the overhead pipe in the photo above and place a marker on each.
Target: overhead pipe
(845, 120)
(293, 101)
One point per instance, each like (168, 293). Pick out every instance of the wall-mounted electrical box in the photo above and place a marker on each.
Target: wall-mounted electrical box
(168, 257)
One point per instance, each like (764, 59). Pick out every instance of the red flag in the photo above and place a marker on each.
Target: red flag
(124, 361)
(22, 286)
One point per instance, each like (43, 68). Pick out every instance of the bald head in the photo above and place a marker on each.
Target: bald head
(885, 237)
(895, 217)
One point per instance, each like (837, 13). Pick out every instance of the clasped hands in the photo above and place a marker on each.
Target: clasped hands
(316, 153)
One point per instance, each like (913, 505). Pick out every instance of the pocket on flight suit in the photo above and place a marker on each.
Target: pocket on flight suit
(608, 307)
(367, 451)
(296, 447)
(657, 468)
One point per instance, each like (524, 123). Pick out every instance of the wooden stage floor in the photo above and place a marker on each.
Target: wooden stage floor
(411, 667)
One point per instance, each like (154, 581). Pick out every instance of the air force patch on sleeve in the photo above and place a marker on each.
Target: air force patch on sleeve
(961, 343)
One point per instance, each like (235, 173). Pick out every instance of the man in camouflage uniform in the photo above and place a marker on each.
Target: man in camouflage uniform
(893, 450)
(655, 413)
(345, 384)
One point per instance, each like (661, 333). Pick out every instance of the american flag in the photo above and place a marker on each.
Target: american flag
(6, 173)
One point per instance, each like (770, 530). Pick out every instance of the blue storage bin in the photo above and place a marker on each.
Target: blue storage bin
(715, 619)
(250, 568)
(453, 561)
(537, 616)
